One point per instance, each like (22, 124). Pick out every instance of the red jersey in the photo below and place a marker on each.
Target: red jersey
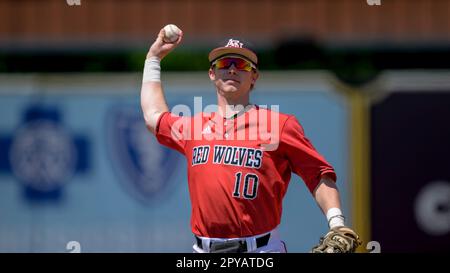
(236, 180)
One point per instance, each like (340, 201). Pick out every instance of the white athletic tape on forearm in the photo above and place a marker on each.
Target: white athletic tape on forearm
(152, 70)
(335, 218)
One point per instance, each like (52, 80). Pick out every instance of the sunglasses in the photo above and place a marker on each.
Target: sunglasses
(239, 63)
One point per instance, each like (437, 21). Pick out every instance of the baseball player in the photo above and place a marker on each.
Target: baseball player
(237, 178)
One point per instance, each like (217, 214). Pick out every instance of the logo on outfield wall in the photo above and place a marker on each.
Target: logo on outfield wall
(42, 154)
(144, 166)
(432, 208)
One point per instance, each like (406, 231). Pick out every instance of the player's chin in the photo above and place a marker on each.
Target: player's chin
(230, 88)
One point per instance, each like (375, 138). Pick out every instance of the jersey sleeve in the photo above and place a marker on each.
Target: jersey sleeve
(304, 159)
(170, 131)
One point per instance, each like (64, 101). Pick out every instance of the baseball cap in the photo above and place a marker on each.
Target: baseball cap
(234, 47)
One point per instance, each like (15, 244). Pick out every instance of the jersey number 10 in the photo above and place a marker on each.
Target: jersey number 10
(250, 186)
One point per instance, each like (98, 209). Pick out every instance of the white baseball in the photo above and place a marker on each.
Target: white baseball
(172, 33)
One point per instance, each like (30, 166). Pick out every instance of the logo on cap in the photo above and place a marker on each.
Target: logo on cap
(234, 43)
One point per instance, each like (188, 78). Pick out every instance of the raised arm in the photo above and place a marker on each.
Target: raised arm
(153, 103)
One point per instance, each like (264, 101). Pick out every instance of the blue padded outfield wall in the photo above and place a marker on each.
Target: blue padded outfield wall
(77, 163)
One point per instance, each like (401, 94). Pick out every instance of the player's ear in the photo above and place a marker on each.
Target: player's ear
(212, 74)
(255, 76)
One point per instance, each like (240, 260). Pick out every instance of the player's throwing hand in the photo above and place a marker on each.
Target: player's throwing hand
(160, 48)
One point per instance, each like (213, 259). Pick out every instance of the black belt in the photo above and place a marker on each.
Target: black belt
(236, 246)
